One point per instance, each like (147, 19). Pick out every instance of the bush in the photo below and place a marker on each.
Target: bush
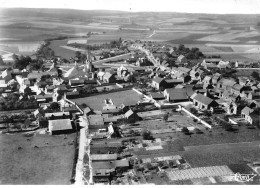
(194, 111)
(185, 130)
(147, 135)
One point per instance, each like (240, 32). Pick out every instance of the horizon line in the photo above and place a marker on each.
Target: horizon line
(125, 11)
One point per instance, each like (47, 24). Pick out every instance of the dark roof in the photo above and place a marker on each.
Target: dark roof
(177, 94)
(203, 99)
(77, 81)
(110, 164)
(237, 87)
(155, 95)
(46, 96)
(174, 81)
(72, 93)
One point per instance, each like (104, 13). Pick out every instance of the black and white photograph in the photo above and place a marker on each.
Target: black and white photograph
(129, 92)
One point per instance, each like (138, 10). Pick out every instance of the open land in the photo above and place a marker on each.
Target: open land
(222, 32)
(128, 97)
(48, 164)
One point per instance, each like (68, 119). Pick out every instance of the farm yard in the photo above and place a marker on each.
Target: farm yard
(50, 163)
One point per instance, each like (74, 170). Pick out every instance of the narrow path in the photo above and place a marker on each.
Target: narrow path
(151, 34)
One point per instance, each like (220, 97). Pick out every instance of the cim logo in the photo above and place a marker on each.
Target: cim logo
(244, 177)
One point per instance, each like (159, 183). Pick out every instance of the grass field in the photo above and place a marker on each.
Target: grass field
(48, 164)
(128, 97)
(221, 155)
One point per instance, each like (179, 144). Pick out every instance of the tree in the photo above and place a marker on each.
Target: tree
(55, 106)
(77, 54)
(185, 130)
(165, 117)
(193, 110)
(255, 75)
(147, 135)
(1, 61)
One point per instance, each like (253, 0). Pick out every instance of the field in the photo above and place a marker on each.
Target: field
(128, 97)
(48, 164)
(224, 154)
(34, 26)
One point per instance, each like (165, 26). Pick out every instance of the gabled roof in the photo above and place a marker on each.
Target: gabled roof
(237, 87)
(103, 157)
(107, 75)
(227, 82)
(184, 69)
(177, 94)
(203, 99)
(174, 81)
(158, 80)
(247, 110)
(155, 95)
(129, 113)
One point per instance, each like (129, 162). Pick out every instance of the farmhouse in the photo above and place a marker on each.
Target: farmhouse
(156, 96)
(117, 164)
(181, 59)
(176, 95)
(60, 126)
(103, 157)
(250, 115)
(57, 115)
(109, 78)
(159, 83)
(131, 116)
(204, 103)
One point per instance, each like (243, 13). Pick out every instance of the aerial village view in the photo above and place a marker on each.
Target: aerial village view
(91, 97)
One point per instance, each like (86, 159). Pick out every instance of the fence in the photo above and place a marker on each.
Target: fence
(192, 115)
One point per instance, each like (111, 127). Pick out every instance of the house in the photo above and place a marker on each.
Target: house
(223, 64)
(195, 73)
(103, 157)
(44, 98)
(160, 74)
(109, 78)
(157, 96)
(216, 77)
(181, 60)
(170, 83)
(72, 95)
(159, 83)
(117, 164)
(49, 89)
(57, 115)
(76, 83)
(96, 122)
(226, 84)
(204, 103)
(6, 75)
(100, 75)
(232, 108)
(236, 89)
(60, 126)
(102, 175)
(131, 116)
(250, 115)
(211, 61)
(176, 95)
